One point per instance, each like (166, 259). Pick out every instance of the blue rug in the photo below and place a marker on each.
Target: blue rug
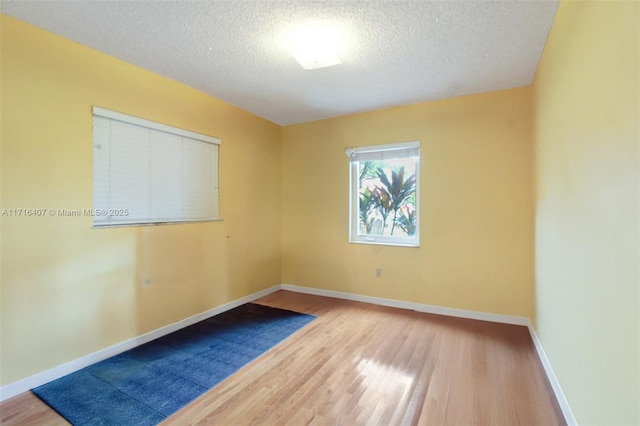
(147, 384)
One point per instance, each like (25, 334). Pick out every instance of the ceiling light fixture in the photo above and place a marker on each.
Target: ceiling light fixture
(314, 45)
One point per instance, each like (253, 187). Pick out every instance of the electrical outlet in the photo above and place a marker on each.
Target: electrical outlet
(378, 272)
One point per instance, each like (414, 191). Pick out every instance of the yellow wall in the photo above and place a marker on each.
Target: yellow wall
(69, 290)
(587, 142)
(475, 197)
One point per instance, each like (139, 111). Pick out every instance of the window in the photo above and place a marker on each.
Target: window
(384, 194)
(149, 173)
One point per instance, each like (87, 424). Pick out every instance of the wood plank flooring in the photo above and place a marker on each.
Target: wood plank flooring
(365, 364)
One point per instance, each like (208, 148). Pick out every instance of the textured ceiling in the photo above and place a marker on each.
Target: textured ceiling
(398, 52)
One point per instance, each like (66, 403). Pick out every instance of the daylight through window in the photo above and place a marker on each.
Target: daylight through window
(384, 194)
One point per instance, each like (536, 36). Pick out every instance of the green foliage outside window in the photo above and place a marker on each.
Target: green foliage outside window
(387, 197)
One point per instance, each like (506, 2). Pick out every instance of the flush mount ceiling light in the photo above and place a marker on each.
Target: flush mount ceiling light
(314, 45)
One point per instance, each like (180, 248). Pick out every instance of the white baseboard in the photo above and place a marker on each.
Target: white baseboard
(16, 388)
(553, 380)
(420, 307)
(460, 313)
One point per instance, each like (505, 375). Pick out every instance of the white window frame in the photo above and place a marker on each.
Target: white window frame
(380, 152)
(169, 174)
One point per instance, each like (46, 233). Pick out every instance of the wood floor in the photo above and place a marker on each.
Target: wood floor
(365, 364)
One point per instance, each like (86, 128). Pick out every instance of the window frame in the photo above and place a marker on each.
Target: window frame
(188, 141)
(384, 151)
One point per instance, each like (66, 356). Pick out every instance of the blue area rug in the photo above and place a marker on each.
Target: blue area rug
(147, 384)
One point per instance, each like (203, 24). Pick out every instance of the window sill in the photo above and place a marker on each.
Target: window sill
(386, 243)
(134, 224)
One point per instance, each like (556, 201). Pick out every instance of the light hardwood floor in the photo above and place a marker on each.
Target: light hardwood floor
(364, 364)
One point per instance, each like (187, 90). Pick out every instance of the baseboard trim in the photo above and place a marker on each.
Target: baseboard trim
(20, 386)
(38, 379)
(553, 379)
(420, 307)
(460, 313)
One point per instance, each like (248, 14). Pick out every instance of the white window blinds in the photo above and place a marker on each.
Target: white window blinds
(146, 173)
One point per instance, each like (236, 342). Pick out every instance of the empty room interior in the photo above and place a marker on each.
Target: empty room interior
(511, 296)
